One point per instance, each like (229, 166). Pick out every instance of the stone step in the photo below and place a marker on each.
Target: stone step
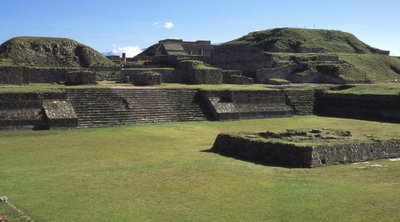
(119, 106)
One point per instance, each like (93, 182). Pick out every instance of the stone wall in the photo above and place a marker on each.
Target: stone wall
(207, 75)
(25, 75)
(380, 107)
(244, 58)
(33, 111)
(301, 101)
(148, 78)
(283, 72)
(235, 77)
(355, 152)
(291, 155)
(200, 47)
(268, 153)
(236, 105)
(13, 75)
(80, 77)
(168, 75)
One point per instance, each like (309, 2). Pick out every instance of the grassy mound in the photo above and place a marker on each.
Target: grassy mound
(302, 40)
(310, 55)
(51, 52)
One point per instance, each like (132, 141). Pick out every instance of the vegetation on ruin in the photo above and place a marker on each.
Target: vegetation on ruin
(379, 88)
(49, 87)
(290, 39)
(358, 62)
(149, 69)
(377, 68)
(51, 52)
(371, 89)
(199, 65)
(304, 137)
(6, 62)
(160, 172)
(217, 87)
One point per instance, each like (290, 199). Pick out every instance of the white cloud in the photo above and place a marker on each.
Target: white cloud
(156, 23)
(169, 25)
(130, 51)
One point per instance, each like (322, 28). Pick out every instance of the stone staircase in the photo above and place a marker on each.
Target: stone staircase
(109, 107)
(302, 101)
(238, 105)
(20, 111)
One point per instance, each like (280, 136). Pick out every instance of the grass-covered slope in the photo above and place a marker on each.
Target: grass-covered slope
(299, 40)
(51, 52)
(378, 68)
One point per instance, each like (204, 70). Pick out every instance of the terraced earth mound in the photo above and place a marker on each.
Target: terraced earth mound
(306, 55)
(306, 40)
(51, 52)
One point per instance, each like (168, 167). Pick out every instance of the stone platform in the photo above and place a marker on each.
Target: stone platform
(305, 148)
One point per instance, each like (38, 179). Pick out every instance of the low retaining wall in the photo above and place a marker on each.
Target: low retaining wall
(290, 155)
(35, 111)
(26, 75)
(301, 101)
(381, 107)
(168, 75)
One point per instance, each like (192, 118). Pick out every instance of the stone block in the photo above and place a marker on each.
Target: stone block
(59, 114)
(80, 77)
(147, 79)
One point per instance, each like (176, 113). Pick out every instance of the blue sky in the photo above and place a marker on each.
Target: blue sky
(127, 25)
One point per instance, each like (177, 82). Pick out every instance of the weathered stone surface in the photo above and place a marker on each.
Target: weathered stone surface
(300, 148)
(384, 107)
(235, 77)
(25, 75)
(203, 75)
(235, 105)
(51, 52)
(59, 114)
(25, 110)
(283, 72)
(148, 78)
(110, 107)
(168, 75)
(80, 77)
(301, 101)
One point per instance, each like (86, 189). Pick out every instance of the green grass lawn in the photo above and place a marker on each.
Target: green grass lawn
(160, 173)
(46, 87)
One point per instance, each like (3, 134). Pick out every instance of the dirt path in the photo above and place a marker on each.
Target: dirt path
(3, 218)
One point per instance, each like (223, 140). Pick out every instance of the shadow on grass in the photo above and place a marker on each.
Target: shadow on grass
(257, 161)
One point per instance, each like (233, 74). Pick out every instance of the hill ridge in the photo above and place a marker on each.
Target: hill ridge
(306, 40)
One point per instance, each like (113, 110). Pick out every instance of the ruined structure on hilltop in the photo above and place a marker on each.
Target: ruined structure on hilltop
(177, 47)
(25, 60)
(289, 54)
(282, 55)
(181, 61)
